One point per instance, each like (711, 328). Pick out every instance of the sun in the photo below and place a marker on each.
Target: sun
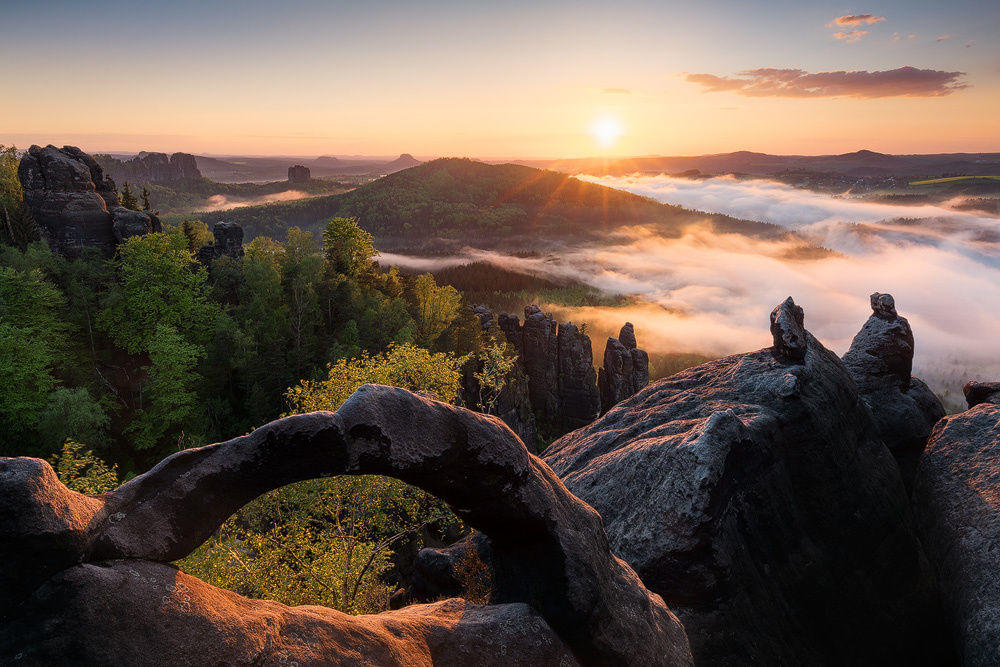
(606, 131)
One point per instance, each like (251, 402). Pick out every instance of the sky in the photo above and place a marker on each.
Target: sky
(500, 80)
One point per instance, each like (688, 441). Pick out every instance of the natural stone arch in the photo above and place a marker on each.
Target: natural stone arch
(549, 549)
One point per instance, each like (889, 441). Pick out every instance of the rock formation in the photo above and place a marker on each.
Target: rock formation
(87, 577)
(75, 204)
(228, 241)
(981, 392)
(513, 405)
(149, 167)
(299, 174)
(625, 370)
(579, 399)
(957, 501)
(540, 353)
(755, 495)
(565, 390)
(880, 361)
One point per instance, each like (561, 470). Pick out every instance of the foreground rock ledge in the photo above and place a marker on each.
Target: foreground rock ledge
(957, 500)
(754, 494)
(561, 595)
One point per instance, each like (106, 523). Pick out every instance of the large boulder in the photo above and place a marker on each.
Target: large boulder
(75, 204)
(754, 494)
(904, 407)
(557, 586)
(957, 502)
(625, 370)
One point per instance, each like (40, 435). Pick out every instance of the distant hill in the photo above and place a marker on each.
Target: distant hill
(858, 163)
(404, 161)
(262, 169)
(460, 201)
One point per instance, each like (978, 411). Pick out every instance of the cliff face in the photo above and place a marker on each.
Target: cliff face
(75, 204)
(152, 168)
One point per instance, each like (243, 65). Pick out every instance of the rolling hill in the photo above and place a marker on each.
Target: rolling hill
(452, 201)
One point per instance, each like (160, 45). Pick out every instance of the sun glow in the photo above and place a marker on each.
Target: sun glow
(606, 131)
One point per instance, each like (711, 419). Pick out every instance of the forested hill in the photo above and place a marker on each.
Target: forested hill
(467, 201)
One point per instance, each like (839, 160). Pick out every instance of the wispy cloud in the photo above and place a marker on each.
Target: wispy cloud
(857, 19)
(616, 91)
(775, 82)
(850, 36)
(943, 37)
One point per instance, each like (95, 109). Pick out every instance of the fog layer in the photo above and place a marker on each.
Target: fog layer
(711, 293)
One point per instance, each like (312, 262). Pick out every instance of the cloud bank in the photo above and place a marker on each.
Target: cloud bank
(774, 82)
(710, 293)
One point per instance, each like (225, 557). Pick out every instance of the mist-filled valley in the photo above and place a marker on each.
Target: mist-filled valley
(705, 293)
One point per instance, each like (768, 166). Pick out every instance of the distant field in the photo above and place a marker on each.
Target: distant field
(953, 179)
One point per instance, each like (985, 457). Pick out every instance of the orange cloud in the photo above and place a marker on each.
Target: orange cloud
(850, 36)
(857, 19)
(773, 82)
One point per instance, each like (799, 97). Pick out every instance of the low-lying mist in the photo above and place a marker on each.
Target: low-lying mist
(225, 202)
(710, 293)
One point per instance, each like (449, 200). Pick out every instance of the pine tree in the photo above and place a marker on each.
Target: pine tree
(127, 198)
(145, 199)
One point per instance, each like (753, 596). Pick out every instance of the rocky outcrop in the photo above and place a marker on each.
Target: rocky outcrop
(981, 392)
(579, 400)
(75, 204)
(755, 495)
(298, 173)
(625, 370)
(904, 407)
(91, 579)
(147, 167)
(540, 354)
(129, 612)
(957, 501)
(228, 242)
(565, 390)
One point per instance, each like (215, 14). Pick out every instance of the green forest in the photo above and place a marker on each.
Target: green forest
(112, 364)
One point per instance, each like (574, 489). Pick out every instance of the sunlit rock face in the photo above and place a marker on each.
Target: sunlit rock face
(75, 204)
(957, 502)
(754, 494)
(89, 577)
(904, 407)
